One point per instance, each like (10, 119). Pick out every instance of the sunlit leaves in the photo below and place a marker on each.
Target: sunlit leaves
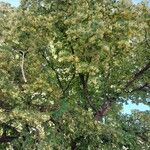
(78, 54)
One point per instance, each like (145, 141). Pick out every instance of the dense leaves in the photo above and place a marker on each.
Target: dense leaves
(66, 69)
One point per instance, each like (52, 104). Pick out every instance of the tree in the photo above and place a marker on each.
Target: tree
(67, 68)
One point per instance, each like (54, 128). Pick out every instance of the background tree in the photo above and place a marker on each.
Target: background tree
(67, 68)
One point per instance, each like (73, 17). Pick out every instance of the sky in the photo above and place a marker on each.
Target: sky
(126, 108)
(17, 2)
(12, 2)
(130, 106)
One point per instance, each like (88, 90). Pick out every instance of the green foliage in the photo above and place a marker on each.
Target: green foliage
(66, 69)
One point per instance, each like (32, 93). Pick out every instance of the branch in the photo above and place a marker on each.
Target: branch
(5, 139)
(146, 39)
(22, 66)
(72, 50)
(109, 102)
(144, 88)
(67, 87)
(104, 108)
(64, 89)
(58, 79)
(84, 80)
(56, 73)
(138, 74)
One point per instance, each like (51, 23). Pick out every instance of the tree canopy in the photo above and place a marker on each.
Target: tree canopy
(67, 67)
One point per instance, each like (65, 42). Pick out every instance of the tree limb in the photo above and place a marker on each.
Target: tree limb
(144, 88)
(104, 108)
(84, 80)
(5, 139)
(22, 66)
(138, 74)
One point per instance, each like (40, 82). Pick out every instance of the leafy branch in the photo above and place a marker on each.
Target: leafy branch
(64, 89)
(138, 75)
